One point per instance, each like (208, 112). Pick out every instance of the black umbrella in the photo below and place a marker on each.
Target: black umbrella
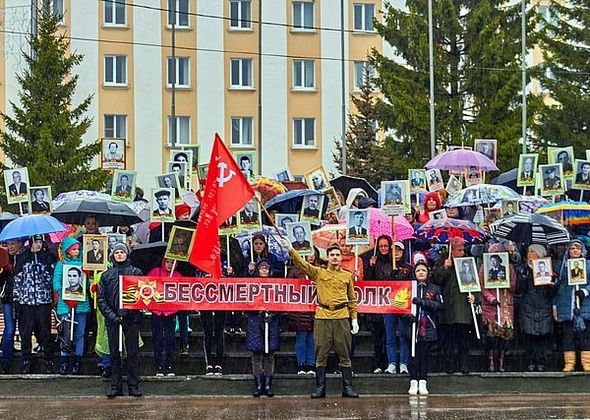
(345, 183)
(148, 256)
(508, 179)
(291, 201)
(530, 229)
(107, 213)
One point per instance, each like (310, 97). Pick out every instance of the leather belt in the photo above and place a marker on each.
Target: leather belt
(333, 307)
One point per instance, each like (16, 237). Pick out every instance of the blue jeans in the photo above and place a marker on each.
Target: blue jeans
(304, 348)
(393, 324)
(163, 336)
(8, 333)
(79, 328)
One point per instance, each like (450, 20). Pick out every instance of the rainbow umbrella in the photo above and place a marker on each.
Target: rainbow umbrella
(567, 212)
(442, 230)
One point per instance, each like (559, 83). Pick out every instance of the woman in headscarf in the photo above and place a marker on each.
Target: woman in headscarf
(432, 202)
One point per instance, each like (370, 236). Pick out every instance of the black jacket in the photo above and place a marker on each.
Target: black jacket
(108, 292)
(534, 303)
(33, 277)
(431, 303)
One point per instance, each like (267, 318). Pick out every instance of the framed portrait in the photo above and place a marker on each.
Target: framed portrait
(73, 283)
(180, 243)
(434, 180)
(182, 172)
(183, 156)
(472, 176)
(249, 217)
(24, 208)
(114, 239)
(311, 209)
(202, 172)
(487, 147)
(417, 178)
(509, 207)
(437, 214)
(551, 179)
(170, 180)
(95, 256)
(16, 182)
(453, 184)
(396, 197)
(162, 205)
(195, 157)
(281, 219)
(357, 227)
(467, 275)
(333, 200)
(112, 155)
(230, 226)
(496, 270)
(576, 271)
(564, 156)
(527, 168)
(317, 179)
(299, 234)
(581, 179)
(40, 199)
(284, 175)
(542, 272)
(123, 187)
(247, 163)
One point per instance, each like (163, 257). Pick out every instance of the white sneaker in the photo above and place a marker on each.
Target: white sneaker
(378, 370)
(390, 369)
(301, 372)
(403, 369)
(413, 387)
(422, 387)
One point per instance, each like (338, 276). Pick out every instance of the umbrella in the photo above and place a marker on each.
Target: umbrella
(441, 230)
(31, 225)
(328, 234)
(148, 256)
(507, 179)
(6, 217)
(567, 212)
(107, 213)
(380, 224)
(79, 195)
(530, 203)
(345, 183)
(530, 229)
(268, 188)
(460, 159)
(485, 194)
(291, 201)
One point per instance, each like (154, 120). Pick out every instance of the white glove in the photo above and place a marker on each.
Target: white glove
(355, 326)
(284, 242)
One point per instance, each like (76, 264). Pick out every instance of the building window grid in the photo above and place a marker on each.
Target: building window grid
(304, 74)
(115, 13)
(179, 72)
(304, 132)
(115, 126)
(363, 70)
(241, 73)
(181, 17)
(242, 131)
(364, 13)
(115, 70)
(240, 13)
(183, 130)
(303, 15)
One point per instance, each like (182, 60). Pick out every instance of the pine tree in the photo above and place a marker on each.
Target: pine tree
(477, 79)
(565, 77)
(45, 133)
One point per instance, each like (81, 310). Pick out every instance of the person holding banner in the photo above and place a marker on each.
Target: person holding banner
(570, 304)
(336, 311)
(456, 318)
(71, 256)
(428, 301)
(116, 319)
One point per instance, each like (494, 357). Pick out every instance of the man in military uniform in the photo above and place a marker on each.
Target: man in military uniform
(551, 181)
(497, 271)
(335, 312)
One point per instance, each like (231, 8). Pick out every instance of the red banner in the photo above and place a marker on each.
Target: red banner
(255, 294)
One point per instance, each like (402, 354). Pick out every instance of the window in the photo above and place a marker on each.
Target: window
(303, 15)
(183, 130)
(115, 126)
(57, 8)
(240, 12)
(303, 74)
(114, 12)
(303, 132)
(179, 72)
(115, 70)
(241, 131)
(364, 72)
(180, 18)
(363, 17)
(241, 72)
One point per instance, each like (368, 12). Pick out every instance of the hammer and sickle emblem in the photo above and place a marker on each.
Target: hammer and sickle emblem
(222, 179)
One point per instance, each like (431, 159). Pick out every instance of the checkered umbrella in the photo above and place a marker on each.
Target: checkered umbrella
(530, 229)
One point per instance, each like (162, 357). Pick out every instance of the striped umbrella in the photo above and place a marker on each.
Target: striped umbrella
(530, 229)
(441, 230)
(567, 212)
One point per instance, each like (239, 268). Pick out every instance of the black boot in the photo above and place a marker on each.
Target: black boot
(347, 391)
(77, 366)
(135, 392)
(320, 381)
(114, 393)
(64, 365)
(268, 387)
(49, 367)
(259, 385)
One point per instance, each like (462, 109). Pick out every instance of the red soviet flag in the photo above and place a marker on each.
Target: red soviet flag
(226, 192)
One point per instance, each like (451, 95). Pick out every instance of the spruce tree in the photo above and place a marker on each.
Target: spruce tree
(565, 77)
(45, 131)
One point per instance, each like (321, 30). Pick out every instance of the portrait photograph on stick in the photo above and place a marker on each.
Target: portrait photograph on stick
(180, 243)
(496, 273)
(563, 156)
(162, 205)
(311, 209)
(112, 153)
(249, 217)
(95, 253)
(357, 227)
(16, 183)
(467, 275)
(552, 182)
(73, 285)
(417, 179)
(581, 180)
(123, 188)
(170, 180)
(434, 180)
(396, 197)
(542, 272)
(527, 168)
(576, 271)
(317, 179)
(299, 234)
(40, 198)
(230, 226)
(281, 219)
(487, 147)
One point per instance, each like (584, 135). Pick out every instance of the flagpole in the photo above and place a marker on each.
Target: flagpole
(272, 223)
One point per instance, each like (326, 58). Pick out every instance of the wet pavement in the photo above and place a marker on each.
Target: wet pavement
(536, 406)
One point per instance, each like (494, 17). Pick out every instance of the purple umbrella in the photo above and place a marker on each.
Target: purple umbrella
(458, 160)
